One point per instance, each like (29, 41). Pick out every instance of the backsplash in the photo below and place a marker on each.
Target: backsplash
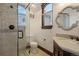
(68, 36)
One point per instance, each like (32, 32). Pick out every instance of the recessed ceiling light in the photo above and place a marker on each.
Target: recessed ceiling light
(33, 6)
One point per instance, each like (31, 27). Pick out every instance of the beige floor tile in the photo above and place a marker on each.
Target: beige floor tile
(37, 53)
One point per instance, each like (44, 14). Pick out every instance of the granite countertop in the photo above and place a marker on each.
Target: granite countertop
(68, 45)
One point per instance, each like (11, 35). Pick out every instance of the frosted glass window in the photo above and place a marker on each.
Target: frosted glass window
(21, 10)
(48, 8)
(48, 15)
(21, 15)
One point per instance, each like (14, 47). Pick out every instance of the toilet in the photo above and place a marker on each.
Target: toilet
(33, 44)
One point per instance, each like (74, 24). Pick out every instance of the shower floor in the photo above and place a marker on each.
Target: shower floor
(38, 53)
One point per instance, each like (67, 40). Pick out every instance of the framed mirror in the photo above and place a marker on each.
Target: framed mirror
(68, 18)
(46, 15)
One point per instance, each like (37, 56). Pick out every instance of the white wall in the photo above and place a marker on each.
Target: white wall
(39, 33)
(48, 34)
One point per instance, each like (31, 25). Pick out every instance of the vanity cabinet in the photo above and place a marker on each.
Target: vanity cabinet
(59, 52)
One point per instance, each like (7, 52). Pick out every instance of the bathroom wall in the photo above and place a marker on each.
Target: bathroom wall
(8, 37)
(57, 8)
(37, 31)
(48, 34)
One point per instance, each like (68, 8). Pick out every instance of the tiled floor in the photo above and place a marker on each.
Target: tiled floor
(37, 53)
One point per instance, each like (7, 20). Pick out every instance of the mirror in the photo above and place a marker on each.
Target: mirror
(68, 18)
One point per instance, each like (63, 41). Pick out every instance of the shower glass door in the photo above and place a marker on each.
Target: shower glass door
(14, 29)
(23, 29)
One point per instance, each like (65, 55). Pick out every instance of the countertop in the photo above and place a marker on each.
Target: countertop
(68, 45)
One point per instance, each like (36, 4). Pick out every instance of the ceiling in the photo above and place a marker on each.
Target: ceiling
(24, 4)
(35, 7)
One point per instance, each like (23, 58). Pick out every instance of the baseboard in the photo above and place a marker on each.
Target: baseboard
(45, 50)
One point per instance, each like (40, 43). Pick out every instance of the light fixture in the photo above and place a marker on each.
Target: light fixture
(33, 6)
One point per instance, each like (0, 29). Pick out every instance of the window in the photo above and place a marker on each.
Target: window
(21, 15)
(48, 8)
(47, 16)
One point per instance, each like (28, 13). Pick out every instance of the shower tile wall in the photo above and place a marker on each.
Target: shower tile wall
(8, 38)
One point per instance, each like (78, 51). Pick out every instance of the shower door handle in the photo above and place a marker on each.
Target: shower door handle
(20, 34)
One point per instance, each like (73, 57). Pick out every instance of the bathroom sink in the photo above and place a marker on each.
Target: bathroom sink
(68, 40)
(70, 45)
(60, 38)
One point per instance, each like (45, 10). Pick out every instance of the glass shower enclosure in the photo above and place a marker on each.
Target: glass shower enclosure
(13, 28)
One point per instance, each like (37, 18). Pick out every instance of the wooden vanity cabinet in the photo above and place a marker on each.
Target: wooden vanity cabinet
(57, 50)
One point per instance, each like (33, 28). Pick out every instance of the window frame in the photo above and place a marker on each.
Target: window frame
(21, 14)
(45, 26)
